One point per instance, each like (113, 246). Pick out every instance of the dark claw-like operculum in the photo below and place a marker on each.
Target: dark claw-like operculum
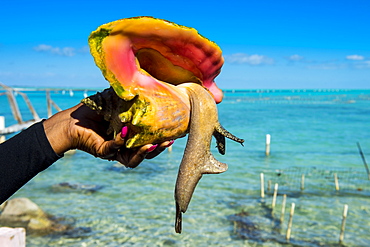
(227, 134)
(220, 141)
(220, 133)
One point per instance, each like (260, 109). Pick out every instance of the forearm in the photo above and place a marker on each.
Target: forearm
(22, 157)
(36, 148)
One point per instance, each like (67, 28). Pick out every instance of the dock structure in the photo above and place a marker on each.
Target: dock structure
(21, 124)
(14, 237)
(16, 127)
(2, 126)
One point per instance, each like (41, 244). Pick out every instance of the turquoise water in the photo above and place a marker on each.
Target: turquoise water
(313, 132)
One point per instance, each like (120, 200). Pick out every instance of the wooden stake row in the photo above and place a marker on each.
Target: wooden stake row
(336, 182)
(292, 208)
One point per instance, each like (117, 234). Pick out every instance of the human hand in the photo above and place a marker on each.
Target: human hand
(80, 127)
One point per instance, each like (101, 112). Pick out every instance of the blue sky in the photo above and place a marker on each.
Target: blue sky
(266, 44)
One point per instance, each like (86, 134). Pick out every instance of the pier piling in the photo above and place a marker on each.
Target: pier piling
(2, 126)
(11, 95)
(274, 197)
(289, 231)
(345, 211)
(262, 186)
(283, 209)
(302, 182)
(363, 160)
(268, 142)
(2, 122)
(336, 182)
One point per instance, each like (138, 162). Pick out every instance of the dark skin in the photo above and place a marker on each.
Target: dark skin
(81, 128)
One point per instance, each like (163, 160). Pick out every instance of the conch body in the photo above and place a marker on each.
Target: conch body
(162, 87)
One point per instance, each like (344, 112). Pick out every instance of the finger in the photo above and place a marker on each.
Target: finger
(120, 137)
(160, 148)
(108, 149)
(136, 156)
(119, 141)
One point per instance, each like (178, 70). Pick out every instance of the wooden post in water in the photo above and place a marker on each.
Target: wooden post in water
(341, 236)
(363, 160)
(283, 209)
(2, 122)
(30, 106)
(2, 126)
(262, 186)
(268, 185)
(336, 182)
(14, 106)
(274, 197)
(55, 105)
(268, 142)
(13, 103)
(302, 182)
(290, 223)
(48, 103)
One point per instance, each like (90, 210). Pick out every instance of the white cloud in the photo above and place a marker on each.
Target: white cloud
(84, 49)
(43, 48)
(341, 65)
(64, 51)
(355, 57)
(242, 58)
(295, 58)
(362, 65)
(328, 66)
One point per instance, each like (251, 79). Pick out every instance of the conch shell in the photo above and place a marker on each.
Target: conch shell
(144, 59)
(162, 87)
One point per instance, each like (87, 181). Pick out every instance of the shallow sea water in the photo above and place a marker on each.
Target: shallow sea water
(313, 132)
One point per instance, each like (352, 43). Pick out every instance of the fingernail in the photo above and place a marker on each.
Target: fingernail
(169, 144)
(151, 148)
(124, 132)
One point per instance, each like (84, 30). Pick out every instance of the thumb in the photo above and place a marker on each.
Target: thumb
(109, 149)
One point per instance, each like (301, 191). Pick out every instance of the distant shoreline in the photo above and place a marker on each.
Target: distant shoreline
(317, 90)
